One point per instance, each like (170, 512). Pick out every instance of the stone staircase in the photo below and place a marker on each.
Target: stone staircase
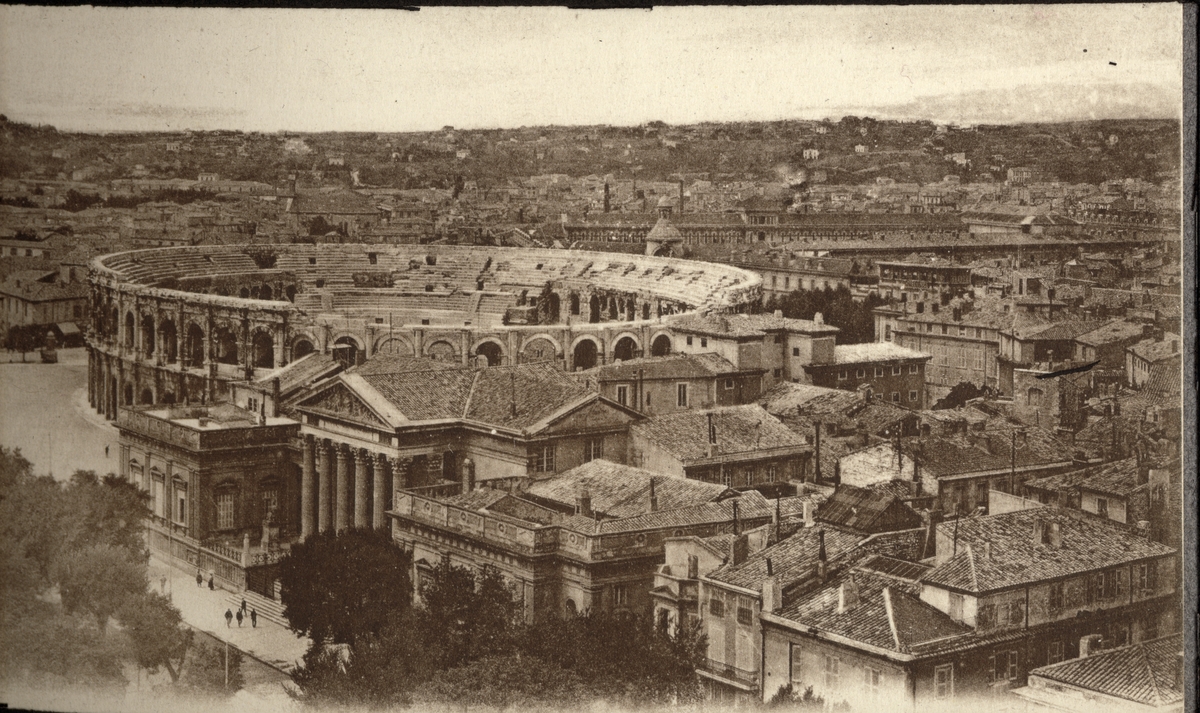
(266, 607)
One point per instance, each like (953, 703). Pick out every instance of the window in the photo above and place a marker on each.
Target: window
(897, 370)
(373, 258)
(833, 666)
(593, 449)
(860, 373)
(795, 351)
(620, 595)
(1102, 507)
(623, 395)
(771, 473)
(895, 397)
(689, 341)
(978, 359)
(912, 368)
(796, 659)
(842, 375)
(681, 395)
(778, 339)
(962, 331)
(704, 341)
(943, 329)
(1054, 653)
(912, 395)
(728, 384)
(978, 333)
(1004, 666)
(543, 459)
(879, 371)
(225, 511)
(943, 682)
(745, 616)
(181, 503)
(778, 373)
(872, 680)
(716, 607)
(1056, 596)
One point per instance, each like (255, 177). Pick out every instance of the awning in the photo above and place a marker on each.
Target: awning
(68, 328)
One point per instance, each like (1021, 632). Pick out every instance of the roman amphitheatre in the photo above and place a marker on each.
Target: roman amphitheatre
(180, 324)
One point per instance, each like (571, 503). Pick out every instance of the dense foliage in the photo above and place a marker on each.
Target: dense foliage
(837, 307)
(958, 396)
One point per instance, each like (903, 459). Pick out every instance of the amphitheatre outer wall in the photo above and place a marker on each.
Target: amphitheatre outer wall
(181, 324)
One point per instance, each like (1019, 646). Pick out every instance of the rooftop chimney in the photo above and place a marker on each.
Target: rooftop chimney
(847, 595)
(822, 559)
(737, 523)
(1089, 644)
(653, 497)
(739, 549)
(1055, 535)
(772, 592)
(778, 313)
(819, 318)
(806, 508)
(468, 475)
(585, 503)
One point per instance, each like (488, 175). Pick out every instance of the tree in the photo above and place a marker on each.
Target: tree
(792, 698)
(503, 682)
(449, 601)
(155, 631)
(24, 338)
(100, 580)
(107, 511)
(336, 587)
(204, 666)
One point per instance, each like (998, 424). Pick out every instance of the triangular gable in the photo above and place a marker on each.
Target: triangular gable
(593, 415)
(340, 401)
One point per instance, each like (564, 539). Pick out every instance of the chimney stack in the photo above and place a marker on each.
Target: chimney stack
(1089, 644)
(653, 497)
(468, 475)
(806, 508)
(847, 595)
(739, 549)
(819, 318)
(822, 559)
(585, 503)
(737, 523)
(772, 592)
(1054, 531)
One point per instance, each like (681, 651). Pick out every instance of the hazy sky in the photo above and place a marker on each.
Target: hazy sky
(374, 70)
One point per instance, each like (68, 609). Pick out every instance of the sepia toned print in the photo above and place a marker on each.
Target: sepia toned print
(803, 359)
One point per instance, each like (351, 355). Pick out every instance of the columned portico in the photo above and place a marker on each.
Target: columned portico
(361, 461)
(380, 501)
(342, 504)
(325, 494)
(308, 476)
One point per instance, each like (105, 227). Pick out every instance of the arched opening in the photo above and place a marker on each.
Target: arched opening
(594, 309)
(646, 310)
(114, 323)
(128, 394)
(193, 347)
(553, 307)
(536, 350)
(148, 334)
(302, 348)
(574, 304)
(491, 350)
(227, 346)
(254, 292)
(1034, 396)
(761, 236)
(147, 397)
(625, 349)
(169, 341)
(346, 350)
(572, 610)
(661, 346)
(663, 251)
(442, 351)
(168, 398)
(449, 466)
(394, 346)
(585, 355)
(244, 292)
(264, 350)
(265, 293)
(129, 330)
(290, 292)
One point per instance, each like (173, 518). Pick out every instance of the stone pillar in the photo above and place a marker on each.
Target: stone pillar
(361, 460)
(91, 377)
(278, 346)
(380, 500)
(399, 475)
(325, 488)
(341, 517)
(307, 487)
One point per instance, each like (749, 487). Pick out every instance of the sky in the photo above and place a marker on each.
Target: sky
(169, 69)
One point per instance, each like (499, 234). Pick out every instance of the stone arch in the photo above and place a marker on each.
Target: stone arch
(540, 347)
(394, 344)
(441, 350)
(585, 352)
(169, 340)
(594, 309)
(626, 347)
(265, 293)
(553, 310)
(290, 293)
(660, 345)
(646, 310)
(129, 327)
(148, 334)
(244, 293)
(193, 346)
(302, 347)
(114, 322)
(127, 393)
(490, 348)
(226, 344)
(350, 345)
(262, 349)
(147, 396)
(168, 397)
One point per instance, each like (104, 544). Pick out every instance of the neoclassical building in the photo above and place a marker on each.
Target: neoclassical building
(175, 325)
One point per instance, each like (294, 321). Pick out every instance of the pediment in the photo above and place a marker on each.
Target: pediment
(595, 415)
(341, 402)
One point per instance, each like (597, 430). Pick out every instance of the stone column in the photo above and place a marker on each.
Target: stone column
(325, 488)
(399, 475)
(380, 500)
(278, 356)
(341, 517)
(307, 487)
(361, 460)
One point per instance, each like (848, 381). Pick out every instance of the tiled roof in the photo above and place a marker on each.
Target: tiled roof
(1143, 672)
(1153, 351)
(792, 559)
(751, 504)
(1165, 377)
(1116, 331)
(34, 290)
(813, 401)
(739, 430)
(944, 456)
(302, 372)
(1088, 544)
(1116, 478)
(663, 230)
(872, 352)
(675, 366)
(747, 325)
(901, 569)
(1058, 330)
(863, 509)
(621, 490)
(341, 202)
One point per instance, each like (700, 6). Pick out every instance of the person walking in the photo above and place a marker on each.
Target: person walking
(162, 584)
(254, 618)
(243, 606)
(211, 588)
(228, 618)
(199, 579)
(239, 618)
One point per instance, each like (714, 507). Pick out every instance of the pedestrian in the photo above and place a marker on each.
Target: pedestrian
(211, 588)
(254, 618)
(243, 605)
(239, 618)
(228, 618)
(106, 451)
(162, 584)
(199, 579)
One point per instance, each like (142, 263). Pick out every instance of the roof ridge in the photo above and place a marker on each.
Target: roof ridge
(891, 617)
(470, 394)
(1149, 673)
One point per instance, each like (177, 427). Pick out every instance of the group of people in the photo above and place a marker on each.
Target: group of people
(241, 615)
